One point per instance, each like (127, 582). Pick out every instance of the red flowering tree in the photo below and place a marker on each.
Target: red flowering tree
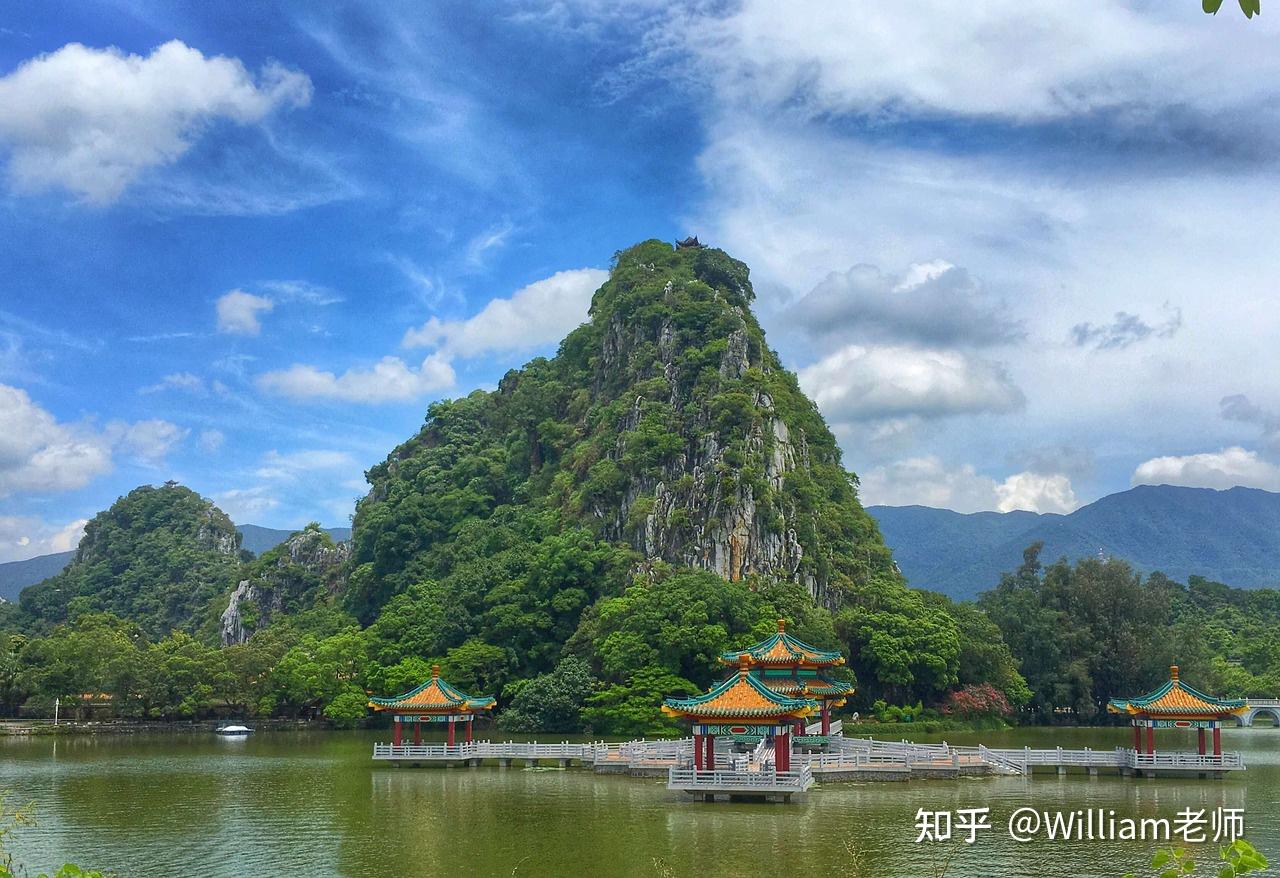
(976, 700)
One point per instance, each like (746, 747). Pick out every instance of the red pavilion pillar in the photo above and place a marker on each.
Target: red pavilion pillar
(1217, 740)
(698, 752)
(799, 729)
(395, 731)
(826, 718)
(782, 752)
(1137, 737)
(417, 732)
(1202, 748)
(470, 724)
(711, 752)
(451, 740)
(1151, 739)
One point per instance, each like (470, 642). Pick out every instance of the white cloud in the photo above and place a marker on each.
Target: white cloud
(211, 441)
(24, 537)
(927, 481)
(148, 441)
(39, 454)
(244, 504)
(389, 380)
(238, 312)
(1036, 492)
(183, 381)
(93, 120)
(895, 381)
(295, 463)
(1214, 469)
(1014, 60)
(539, 314)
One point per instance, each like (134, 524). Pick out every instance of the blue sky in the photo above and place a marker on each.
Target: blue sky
(1021, 253)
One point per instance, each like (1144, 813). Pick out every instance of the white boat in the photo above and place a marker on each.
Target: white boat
(234, 730)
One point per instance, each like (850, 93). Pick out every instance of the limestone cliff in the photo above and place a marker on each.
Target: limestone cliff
(302, 570)
(665, 424)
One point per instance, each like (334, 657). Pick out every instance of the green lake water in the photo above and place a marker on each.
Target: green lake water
(315, 804)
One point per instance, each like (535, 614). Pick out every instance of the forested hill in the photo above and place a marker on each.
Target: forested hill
(17, 575)
(664, 424)
(1228, 536)
(158, 557)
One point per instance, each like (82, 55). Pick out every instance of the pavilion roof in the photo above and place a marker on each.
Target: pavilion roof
(434, 696)
(812, 687)
(781, 649)
(1176, 698)
(742, 696)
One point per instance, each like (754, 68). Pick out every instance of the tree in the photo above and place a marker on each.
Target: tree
(634, 707)
(551, 702)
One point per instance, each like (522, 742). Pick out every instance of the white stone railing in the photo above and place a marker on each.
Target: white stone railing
(795, 781)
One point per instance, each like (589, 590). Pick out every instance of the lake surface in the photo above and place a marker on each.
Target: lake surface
(314, 804)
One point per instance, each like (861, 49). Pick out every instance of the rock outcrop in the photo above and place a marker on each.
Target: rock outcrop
(303, 569)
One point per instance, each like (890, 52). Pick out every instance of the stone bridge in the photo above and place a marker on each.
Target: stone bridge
(1269, 707)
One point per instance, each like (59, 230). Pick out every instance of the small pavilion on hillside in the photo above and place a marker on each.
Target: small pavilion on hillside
(741, 705)
(794, 668)
(1175, 705)
(435, 701)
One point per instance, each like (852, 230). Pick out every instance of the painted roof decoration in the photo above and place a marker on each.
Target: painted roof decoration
(812, 687)
(782, 649)
(1176, 698)
(434, 696)
(741, 696)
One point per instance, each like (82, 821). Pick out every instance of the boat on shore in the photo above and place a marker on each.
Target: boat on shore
(234, 731)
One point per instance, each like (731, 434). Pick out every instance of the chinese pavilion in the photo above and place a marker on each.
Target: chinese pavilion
(741, 705)
(792, 667)
(1175, 705)
(435, 701)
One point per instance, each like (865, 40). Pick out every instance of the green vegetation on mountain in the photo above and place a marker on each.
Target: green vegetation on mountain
(158, 556)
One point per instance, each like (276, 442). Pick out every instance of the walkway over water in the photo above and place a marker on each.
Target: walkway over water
(836, 758)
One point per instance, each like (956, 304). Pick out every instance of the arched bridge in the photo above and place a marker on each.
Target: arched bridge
(1269, 707)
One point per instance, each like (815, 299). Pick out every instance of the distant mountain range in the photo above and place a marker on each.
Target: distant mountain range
(17, 575)
(1229, 536)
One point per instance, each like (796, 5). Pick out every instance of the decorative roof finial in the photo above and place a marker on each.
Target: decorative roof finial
(435, 672)
(744, 664)
(1173, 673)
(782, 625)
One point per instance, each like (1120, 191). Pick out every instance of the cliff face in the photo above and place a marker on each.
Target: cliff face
(306, 568)
(664, 424)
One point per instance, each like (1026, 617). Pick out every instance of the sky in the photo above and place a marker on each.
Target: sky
(1021, 252)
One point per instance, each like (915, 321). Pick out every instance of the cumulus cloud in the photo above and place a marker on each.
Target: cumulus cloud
(1036, 492)
(927, 481)
(895, 381)
(932, 303)
(1125, 330)
(238, 312)
(148, 441)
(93, 120)
(37, 453)
(1213, 469)
(388, 380)
(539, 314)
(24, 537)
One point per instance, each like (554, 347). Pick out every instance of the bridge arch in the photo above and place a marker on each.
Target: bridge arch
(1272, 712)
